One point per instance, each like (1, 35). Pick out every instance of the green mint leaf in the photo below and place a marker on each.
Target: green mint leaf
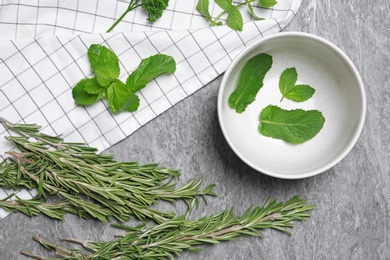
(250, 81)
(293, 126)
(121, 98)
(300, 93)
(287, 81)
(104, 63)
(224, 4)
(148, 69)
(154, 8)
(203, 8)
(83, 97)
(267, 3)
(92, 87)
(234, 19)
(252, 11)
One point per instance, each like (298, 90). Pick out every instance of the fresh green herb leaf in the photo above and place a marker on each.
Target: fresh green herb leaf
(291, 91)
(234, 19)
(250, 81)
(300, 93)
(121, 98)
(267, 3)
(106, 66)
(93, 87)
(252, 11)
(81, 96)
(293, 126)
(154, 8)
(149, 69)
(104, 63)
(224, 4)
(203, 8)
(287, 81)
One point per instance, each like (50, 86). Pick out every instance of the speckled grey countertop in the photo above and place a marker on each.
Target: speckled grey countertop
(353, 198)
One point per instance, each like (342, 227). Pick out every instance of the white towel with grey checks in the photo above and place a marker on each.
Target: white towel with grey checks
(43, 54)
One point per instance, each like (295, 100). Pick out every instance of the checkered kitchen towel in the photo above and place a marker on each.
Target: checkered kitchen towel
(43, 54)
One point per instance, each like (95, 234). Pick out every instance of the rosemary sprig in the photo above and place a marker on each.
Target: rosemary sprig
(169, 239)
(89, 184)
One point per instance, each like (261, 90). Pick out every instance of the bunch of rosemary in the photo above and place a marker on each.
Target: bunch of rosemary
(167, 240)
(95, 185)
(88, 184)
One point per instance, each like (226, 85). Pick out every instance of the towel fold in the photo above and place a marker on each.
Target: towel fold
(43, 54)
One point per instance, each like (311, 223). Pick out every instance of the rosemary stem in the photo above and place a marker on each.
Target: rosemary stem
(5, 121)
(18, 156)
(72, 240)
(32, 255)
(231, 229)
(58, 248)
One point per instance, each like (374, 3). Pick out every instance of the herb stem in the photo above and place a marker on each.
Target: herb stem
(18, 156)
(5, 121)
(59, 249)
(168, 239)
(214, 22)
(32, 255)
(132, 5)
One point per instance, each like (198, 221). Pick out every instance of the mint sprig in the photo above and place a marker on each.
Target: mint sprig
(289, 89)
(121, 96)
(234, 17)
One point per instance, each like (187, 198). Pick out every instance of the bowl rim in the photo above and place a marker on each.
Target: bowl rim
(357, 131)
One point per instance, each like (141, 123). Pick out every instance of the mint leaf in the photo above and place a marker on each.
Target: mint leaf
(287, 81)
(300, 93)
(148, 69)
(121, 98)
(293, 126)
(104, 63)
(254, 15)
(83, 97)
(203, 8)
(224, 4)
(291, 91)
(250, 81)
(234, 19)
(93, 87)
(267, 3)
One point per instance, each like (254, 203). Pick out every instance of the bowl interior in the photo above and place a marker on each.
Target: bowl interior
(339, 96)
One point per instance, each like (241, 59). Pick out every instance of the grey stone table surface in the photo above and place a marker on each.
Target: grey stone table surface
(351, 220)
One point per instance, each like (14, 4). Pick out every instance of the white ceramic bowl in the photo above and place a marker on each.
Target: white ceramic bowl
(339, 96)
